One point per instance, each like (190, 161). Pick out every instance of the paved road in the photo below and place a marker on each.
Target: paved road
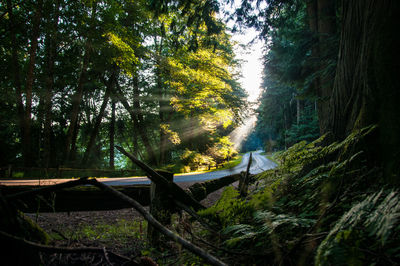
(260, 163)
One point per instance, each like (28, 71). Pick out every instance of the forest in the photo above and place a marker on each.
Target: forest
(154, 86)
(81, 77)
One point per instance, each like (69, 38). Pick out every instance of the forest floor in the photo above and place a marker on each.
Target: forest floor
(101, 229)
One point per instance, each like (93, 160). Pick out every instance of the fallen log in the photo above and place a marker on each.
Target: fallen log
(66, 198)
(200, 191)
(69, 199)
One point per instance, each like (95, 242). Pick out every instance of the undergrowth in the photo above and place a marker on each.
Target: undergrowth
(324, 205)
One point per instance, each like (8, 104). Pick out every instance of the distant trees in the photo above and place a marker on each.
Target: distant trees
(292, 99)
(79, 76)
(343, 55)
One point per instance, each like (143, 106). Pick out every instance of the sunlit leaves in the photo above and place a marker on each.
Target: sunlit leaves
(125, 57)
(200, 82)
(172, 136)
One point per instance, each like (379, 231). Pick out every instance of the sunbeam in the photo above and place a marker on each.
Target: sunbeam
(238, 135)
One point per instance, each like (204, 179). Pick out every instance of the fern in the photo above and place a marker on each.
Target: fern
(367, 233)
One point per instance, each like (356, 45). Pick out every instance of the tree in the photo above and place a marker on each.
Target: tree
(366, 87)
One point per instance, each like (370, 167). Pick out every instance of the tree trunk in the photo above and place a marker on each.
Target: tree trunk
(326, 30)
(140, 122)
(24, 113)
(76, 102)
(133, 112)
(322, 23)
(15, 68)
(112, 134)
(366, 84)
(77, 97)
(27, 145)
(72, 153)
(96, 127)
(50, 51)
(162, 115)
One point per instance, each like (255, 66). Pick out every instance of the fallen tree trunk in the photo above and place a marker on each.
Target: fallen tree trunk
(200, 191)
(81, 198)
(86, 198)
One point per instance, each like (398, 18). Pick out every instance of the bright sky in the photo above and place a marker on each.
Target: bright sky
(252, 66)
(251, 55)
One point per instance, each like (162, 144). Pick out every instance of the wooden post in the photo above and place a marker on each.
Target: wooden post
(9, 171)
(161, 207)
(58, 171)
(244, 179)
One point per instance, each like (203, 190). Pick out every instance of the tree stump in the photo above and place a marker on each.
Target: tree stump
(161, 207)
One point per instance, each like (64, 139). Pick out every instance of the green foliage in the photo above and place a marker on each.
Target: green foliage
(366, 234)
(316, 192)
(173, 64)
(229, 209)
(126, 234)
(267, 225)
(307, 129)
(223, 149)
(194, 160)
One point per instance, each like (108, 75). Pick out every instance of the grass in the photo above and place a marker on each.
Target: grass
(271, 156)
(122, 230)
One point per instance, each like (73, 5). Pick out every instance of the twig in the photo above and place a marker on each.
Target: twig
(157, 225)
(53, 249)
(106, 256)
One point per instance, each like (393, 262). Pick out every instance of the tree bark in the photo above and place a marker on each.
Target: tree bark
(366, 83)
(326, 30)
(322, 23)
